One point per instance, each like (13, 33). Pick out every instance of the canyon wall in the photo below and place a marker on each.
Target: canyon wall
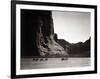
(37, 34)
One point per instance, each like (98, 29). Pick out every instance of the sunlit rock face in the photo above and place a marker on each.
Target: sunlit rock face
(45, 36)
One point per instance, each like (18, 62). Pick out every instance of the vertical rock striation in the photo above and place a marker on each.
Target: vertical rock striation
(46, 44)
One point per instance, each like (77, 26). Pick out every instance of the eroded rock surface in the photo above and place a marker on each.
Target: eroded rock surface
(47, 45)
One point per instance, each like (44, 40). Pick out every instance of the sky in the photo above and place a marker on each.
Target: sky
(72, 26)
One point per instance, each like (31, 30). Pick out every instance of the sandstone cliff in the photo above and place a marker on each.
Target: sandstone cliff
(38, 37)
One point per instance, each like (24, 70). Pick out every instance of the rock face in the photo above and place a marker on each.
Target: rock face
(47, 45)
(38, 37)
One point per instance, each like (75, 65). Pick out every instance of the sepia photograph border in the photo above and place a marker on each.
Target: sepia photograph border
(14, 58)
